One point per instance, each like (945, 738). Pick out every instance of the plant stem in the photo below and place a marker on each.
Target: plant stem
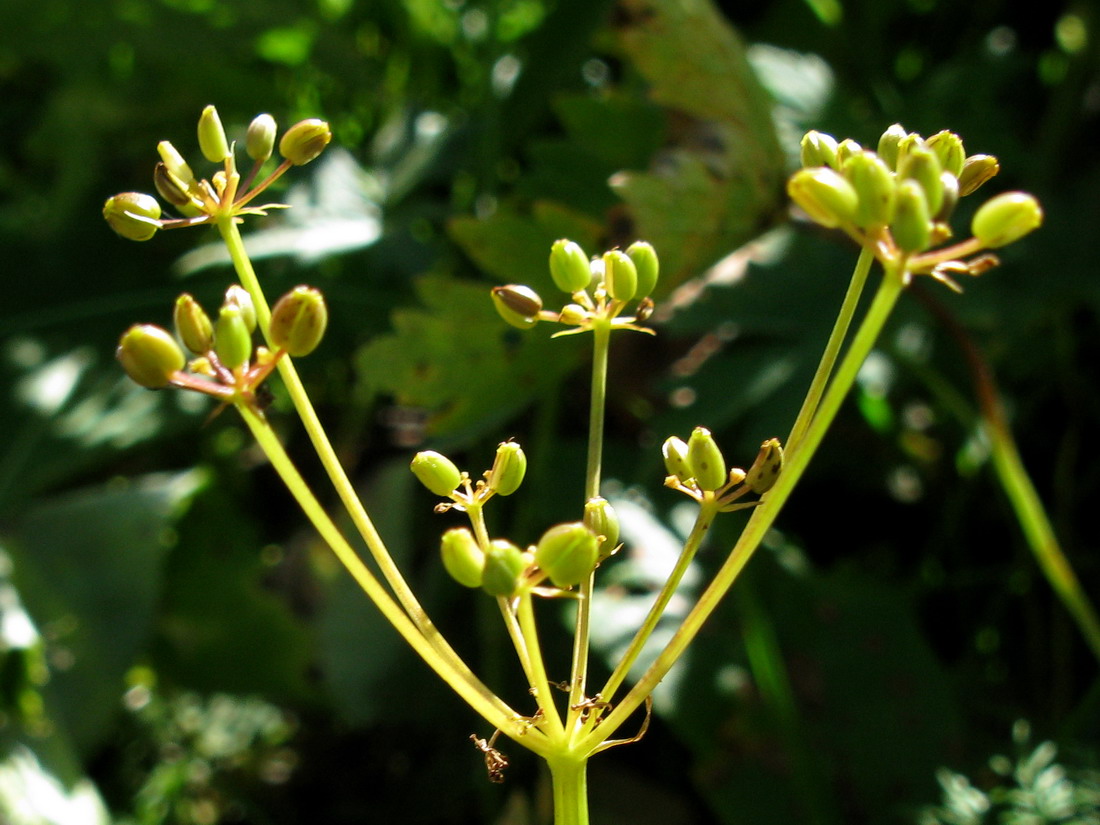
(540, 685)
(476, 694)
(703, 521)
(601, 336)
(764, 515)
(568, 775)
(832, 350)
(325, 452)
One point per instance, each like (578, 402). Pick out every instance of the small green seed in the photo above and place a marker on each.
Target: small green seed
(518, 305)
(212, 142)
(259, 140)
(504, 568)
(765, 470)
(463, 559)
(436, 472)
(150, 355)
(675, 452)
(620, 276)
(1006, 218)
(298, 321)
(600, 517)
(509, 467)
(193, 325)
(232, 339)
(824, 195)
(567, 553)
(646, 265)
(304, 141)
(707, 463)
(569, 266)
(133, 215)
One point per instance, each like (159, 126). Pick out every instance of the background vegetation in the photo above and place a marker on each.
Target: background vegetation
(176, 648)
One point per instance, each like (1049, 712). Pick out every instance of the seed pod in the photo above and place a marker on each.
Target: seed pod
(977, 169)
(436, 472)
(237, 296)
(150, 355)
(212, 142)
(600, 517)
(569, 266)
(922, 165)
(504, 567)
(766, 468)
(133, 215)
(304, 141)
(573, 314)
(675, 452)
(949, 149)
(169, 186)
(950, 197)
(620, 276)
(846, 149)
(888, 145)
(463, 559)
(175, 163)
(707, 463)
(876, 187)
(193, 325)
(1006, 218)
(567, 553)
(509, 467)
(817, 149)
(232, 340)
(646, 265)
(518, 305)
(912, 225)
(824, 195)
(259, 140)
(298, 321)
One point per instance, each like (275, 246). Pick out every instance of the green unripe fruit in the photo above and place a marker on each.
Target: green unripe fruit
(436, 472)
(237, 296)
(573, 314)
(675, 453)
(150, 355)
(912, 225)
(193, 325)
(504, 568)
(518, 305)
(817, 149)
(845, 150)
(169, 186)
(876, 187)
(620, 276)
(950, 197)
(569, 266)
(567, 553)
(922, 165)
(949, 149)
(509, 467)
(824, 195)
(133, 215)
(259, 140)
(600, 517)
(463, 559)
(175, 163)
(1006, 218)
(977, 169)
(232, 340)
(212, 142)
(646, 265)
(304, 141)
(765, 470)
(298, 321)
(888, 145)
(706, 461)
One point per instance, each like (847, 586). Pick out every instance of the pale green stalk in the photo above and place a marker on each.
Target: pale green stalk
(325, 452)
(570, 783)
(764, 515)
(476, 694)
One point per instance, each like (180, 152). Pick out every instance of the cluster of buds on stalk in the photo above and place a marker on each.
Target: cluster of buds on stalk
(565, 554)
(224, 362)
(225, 196)
(698, 469)
(600, 289)
(899, 198)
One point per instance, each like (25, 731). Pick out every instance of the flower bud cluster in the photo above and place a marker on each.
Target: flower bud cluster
(898, 198)
(565, 554)
(696, 467)
(225, 363)
(137, 216)
(599, 290)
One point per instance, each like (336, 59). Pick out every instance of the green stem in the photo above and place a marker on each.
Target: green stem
(703, 521)
(325, 452)
(568, 776)
(540, 684)
(764, 515)
(832, 349)
(601, 336)
(476, 694)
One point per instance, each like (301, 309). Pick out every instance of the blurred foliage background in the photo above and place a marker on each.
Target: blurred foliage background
(175, 646)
